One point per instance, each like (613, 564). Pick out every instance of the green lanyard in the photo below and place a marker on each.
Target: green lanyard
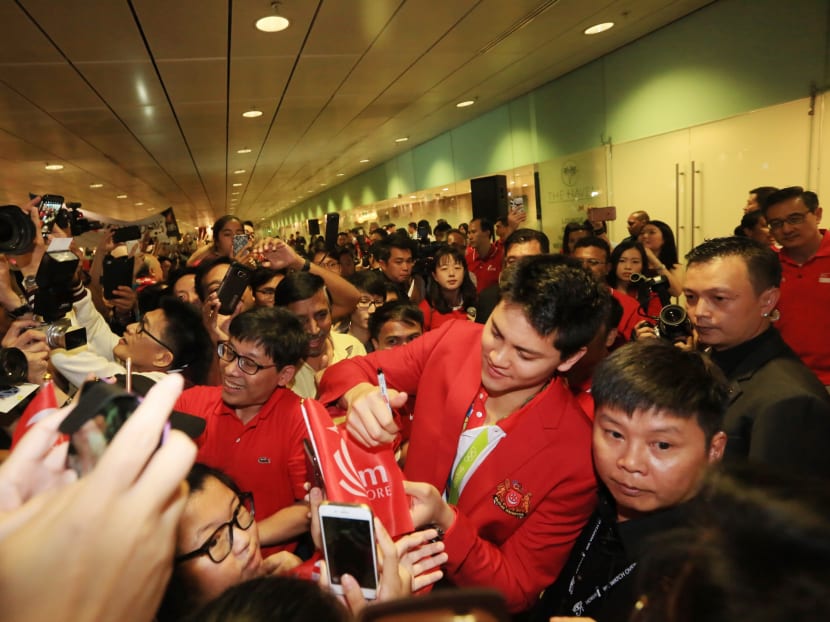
(467, 461)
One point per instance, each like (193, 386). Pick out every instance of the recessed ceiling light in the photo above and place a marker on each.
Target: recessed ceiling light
(239, 171)
(308, 191)
(120, 196)
(412, 196)
(253, 113)
(402, 139)
(465, 103)
(139, 204)
(524, 185)
(364, 161)
(444, 189)
(54, 167)
(272, 23)
(96, 185)
(242, 151)
(237, 184)
(598, 28)
(234, 194)
(340, 174)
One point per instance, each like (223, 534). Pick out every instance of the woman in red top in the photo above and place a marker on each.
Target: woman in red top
(630, 258)
(450, 293)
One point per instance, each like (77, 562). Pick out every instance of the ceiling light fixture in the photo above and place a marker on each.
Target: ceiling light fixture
(239, 171)
(402, 139)
(243, 151)
(139, 204)
(444, 189)
(364, 161)
(598, 28)
(96, 185)
(465, 103)
(253, 113)
(237, 184)
(54, 167)
(273, 23)
(340, 174)
(120, 196)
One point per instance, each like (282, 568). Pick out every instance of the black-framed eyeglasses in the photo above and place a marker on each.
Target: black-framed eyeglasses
(142, 328)
(793, 219)
(220, 543)
(246, 364)
(367, 301)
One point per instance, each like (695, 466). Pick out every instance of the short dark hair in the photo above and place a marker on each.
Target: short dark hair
(654, 375)
(522, 236)
(593, 241)
(395, 240)
(810, 199)
(202, 270)
(369, 281)
(557, 295)
(297, 286)
(280, 333)
(441, 227)
(761, 193)
(570, 228)
(761, 261)
(749, 221)
(188, 339)
(485, 225)
(397, 311)
(262, 275)
(288, 599)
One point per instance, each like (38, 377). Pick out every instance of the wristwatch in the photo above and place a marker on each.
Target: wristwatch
(29, 282)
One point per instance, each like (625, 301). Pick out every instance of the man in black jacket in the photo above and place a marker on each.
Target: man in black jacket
(779, 412)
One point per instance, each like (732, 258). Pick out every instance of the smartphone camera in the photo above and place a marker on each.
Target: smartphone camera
(349, 545)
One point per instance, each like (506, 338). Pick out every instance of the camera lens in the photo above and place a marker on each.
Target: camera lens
(17, 232)
(673, 315)
(14, 368)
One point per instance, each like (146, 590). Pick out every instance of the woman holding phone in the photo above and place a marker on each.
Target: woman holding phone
(217, 547)
(228, 234)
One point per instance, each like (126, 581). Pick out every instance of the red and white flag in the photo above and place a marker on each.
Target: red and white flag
(43, 404)
(355, 474)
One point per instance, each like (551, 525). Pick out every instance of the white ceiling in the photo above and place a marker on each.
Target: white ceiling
(146, 96)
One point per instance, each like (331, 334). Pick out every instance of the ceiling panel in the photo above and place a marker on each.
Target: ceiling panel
(146, 96)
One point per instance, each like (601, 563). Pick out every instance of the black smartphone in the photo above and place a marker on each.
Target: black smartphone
(332, 229)
(312, 466)
(232, 287)
(124, 234)
(93, 423)
(49, 206)
(117, 271)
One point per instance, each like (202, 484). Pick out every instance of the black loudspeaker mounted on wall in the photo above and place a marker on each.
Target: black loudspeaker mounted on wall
(489, 196)
(313, 226)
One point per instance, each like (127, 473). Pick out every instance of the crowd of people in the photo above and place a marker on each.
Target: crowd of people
(605, 431)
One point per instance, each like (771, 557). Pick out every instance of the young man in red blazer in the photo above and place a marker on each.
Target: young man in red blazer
(500, 453)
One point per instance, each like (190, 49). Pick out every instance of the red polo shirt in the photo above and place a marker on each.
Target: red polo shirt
(631, 314)
(488, 268)
(264, 456)
(804, 304)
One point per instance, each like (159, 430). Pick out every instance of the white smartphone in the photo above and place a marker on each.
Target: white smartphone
(349, 545)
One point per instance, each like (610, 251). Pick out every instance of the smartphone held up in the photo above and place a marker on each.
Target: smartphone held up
(348, 535)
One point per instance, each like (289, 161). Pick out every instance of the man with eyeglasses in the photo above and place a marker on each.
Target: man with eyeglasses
(254, 426)
(594, 253)
(793, 216)
(166, 339)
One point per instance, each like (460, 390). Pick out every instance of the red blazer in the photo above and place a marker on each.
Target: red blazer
(522, 509)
